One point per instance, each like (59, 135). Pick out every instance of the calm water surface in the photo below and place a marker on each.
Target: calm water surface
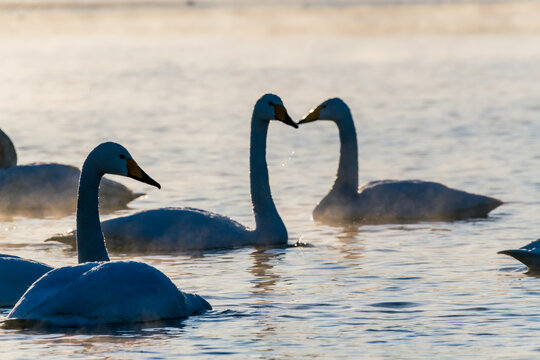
(460, 109)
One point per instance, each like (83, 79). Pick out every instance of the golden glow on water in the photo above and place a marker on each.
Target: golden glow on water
(435, 100)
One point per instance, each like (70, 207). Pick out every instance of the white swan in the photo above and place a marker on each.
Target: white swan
(386, 201)
(48, 189)
(528, 255)
(185, 229)
(16, 276)
(98, 291)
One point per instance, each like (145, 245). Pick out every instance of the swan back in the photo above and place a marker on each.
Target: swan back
(8, 155)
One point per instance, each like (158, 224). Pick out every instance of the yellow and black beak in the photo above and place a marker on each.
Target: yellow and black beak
(312, 115)
(135, 172)
(281, 115)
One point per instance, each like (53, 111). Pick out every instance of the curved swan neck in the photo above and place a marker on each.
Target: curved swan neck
(8, 155)
(266, 215)
(90, 241)
(347, 175)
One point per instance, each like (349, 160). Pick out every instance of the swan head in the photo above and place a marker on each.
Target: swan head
(113, 158)
(8, 155)
(331, 109)
(270, 107)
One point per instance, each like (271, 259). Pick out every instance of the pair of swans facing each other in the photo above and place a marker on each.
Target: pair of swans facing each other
(98, 291)
(57, 296)
(48, 189)
(379, 202)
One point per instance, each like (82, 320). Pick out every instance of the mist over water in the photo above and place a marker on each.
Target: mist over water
(177, 89)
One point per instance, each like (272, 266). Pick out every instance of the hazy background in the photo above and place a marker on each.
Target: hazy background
(439, 91)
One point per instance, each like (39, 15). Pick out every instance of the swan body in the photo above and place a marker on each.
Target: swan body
(386, 201)
(98, 291)
(16, 276)
(185, 229)
(179, 229)
(402, 201)
(111, 292)
(48, 189)
(528, 255)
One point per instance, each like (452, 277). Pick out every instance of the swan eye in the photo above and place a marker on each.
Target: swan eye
(122, 156)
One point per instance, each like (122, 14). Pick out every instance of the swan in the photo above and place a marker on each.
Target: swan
(97, 291)
(528, 255)
(48, 189)
(16, 276)
(188, 229)
(386, 201)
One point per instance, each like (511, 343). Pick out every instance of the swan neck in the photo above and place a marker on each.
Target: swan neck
(267, 218)
(90, 240)
(8, 154)
(347, 174)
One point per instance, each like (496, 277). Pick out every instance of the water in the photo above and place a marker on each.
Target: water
(459, 107)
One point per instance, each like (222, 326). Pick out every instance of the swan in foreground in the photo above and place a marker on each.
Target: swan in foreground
(48, 189)
(98, 291)
(16, 276)
(386, 201)
(187, 229)
(528, 255)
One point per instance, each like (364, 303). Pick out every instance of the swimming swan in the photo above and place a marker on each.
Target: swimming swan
(16, 276)
(98, 291)
(186, 229)
(386, 201)
(48, 189)
(528, 255)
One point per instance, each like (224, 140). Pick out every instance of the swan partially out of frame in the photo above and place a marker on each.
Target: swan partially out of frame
(528, 255)
(48, 189)
(16, 276)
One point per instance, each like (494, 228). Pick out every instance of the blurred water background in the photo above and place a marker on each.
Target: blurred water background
(443, 91)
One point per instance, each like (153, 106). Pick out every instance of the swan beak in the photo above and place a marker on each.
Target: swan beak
(135, 172)
(311, 116)
(281, 115)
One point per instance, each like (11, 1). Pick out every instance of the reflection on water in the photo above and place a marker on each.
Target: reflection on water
(263, 263)
(460, 108)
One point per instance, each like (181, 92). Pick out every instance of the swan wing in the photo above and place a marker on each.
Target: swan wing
(42, 293)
